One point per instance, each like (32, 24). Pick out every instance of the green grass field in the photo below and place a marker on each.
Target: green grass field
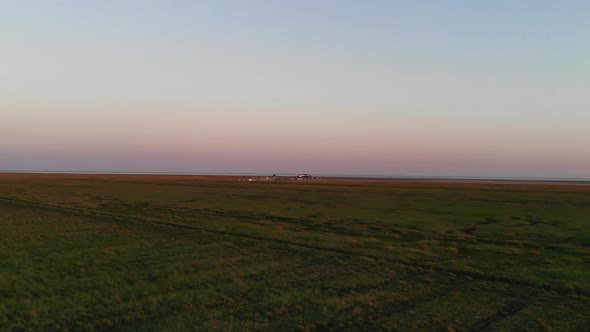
(91, 252)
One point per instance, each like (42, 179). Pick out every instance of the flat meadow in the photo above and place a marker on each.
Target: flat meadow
(154, 252)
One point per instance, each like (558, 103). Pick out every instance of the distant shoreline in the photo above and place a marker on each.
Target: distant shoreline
(341, 177)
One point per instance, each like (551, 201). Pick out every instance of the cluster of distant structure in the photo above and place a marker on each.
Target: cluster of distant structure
(275, 177)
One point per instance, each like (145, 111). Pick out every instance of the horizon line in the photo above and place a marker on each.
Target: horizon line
(327, 175)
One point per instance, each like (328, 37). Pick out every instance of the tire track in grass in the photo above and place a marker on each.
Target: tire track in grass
(509, 310)
(413, 303)
(250, 218)
(146, 221)
(376, 320)
(366, 288)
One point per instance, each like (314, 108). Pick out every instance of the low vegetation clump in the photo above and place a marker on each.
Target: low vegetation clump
(82, 252)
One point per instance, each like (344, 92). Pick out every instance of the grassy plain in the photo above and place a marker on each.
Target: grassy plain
(85, 252)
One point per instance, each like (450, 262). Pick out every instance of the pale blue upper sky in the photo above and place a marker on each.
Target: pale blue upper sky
(473, 88)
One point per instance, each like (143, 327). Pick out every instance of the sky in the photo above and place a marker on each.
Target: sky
(423, 88)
